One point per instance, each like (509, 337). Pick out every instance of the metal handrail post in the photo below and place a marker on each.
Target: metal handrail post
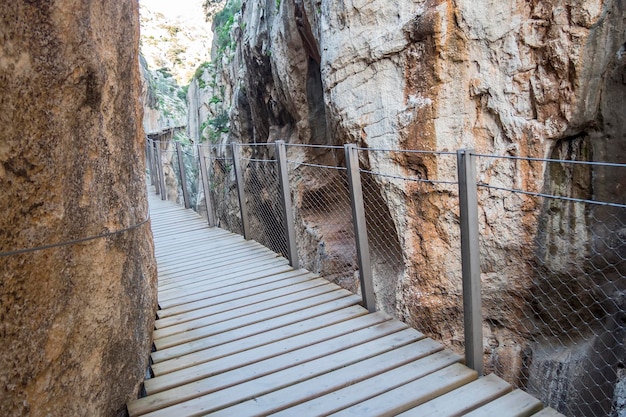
(149, 160)
(283, 177)
(240, 190)
(160, 171)
(470, 259)
(155, 166)
(182, 175)
(360, 227)
(154, 175)
(206, 186)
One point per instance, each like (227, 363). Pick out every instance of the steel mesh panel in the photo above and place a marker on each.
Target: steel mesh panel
(262, 196)
(574, 291)
(172, 182)
(223, 188)
(424, 288)
(325, 232)
(192, 172)
(561, 301)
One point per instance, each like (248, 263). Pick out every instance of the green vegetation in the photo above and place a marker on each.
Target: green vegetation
(213, 127)
(165, 72)
(199, 74)
(182, 93)
(223, 22)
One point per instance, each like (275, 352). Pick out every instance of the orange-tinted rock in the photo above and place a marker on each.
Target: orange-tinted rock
(75, 320)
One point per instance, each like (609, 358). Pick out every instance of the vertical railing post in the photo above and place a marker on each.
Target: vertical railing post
(206, 186)
(360, 227)
(149, 160)
(283, 178)
(182, 174)
(157, 178)
(470, 259)
(160, 171)
(154, 175)
(240, 190)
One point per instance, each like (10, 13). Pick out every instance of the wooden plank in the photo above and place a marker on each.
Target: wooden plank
(362, 391)
(462, 400)
(333, 381)
(270, 336)
(250, 309)
(211, 256)
(271, 269)
(515, 404)
(171, 250)
(416, 392)
(238, 265)
(185, 332)
(216, 276)
(203, 249)
(242, 265)
(248, 304)
(548, 412)
(227, 254)
(242, 384)
(252, 355)
(252, 317)
(288, 319)
(231, 295)
(231, 290)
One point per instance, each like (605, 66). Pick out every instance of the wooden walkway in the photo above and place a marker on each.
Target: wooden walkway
(240, 333)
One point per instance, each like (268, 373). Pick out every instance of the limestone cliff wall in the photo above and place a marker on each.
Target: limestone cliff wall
(517, 78)
(75, 320)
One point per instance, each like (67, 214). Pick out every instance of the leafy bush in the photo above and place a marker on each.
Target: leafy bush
(223, 23)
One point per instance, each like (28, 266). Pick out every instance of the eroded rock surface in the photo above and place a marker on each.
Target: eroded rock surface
(75, 320)
(517, 78)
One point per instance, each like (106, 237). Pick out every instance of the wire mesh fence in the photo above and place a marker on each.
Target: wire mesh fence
(554, 284)
(223, 187)
(323, 217)
(262, 191)
(415, 264)
(190, 166)
(552, 253)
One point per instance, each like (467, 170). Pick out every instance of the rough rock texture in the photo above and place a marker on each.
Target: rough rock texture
(164, 102)
(517, 78)
(177, 36)
(75, 320)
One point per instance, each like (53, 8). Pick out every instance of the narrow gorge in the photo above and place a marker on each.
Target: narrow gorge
(539, 79)
(536, 88)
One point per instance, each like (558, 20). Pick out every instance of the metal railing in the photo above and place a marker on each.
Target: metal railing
(526, 277)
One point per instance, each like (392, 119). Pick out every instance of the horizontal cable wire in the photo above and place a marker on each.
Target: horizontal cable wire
(73, 242)
(302, 145)
(315, 165)
(408, 178)
(257, 160)
(564, 161)
(575, 200)
(254, 144)
(407, 151)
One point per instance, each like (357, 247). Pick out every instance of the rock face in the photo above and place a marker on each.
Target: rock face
(75, 320)
(176, 36)
(517, 78)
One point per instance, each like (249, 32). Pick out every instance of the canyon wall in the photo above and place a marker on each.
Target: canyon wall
(75, 319)
(515, 78)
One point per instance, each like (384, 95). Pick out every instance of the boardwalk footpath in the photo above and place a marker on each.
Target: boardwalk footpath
(241, 333)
